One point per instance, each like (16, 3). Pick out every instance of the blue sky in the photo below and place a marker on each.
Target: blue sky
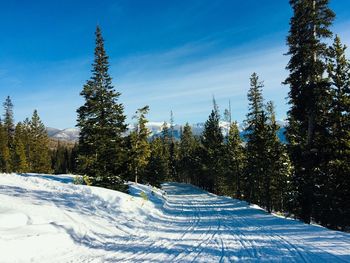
(170, 55)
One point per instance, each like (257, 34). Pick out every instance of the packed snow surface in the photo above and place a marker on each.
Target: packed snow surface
(46, 218)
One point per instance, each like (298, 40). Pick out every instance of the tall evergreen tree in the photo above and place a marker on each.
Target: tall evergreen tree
(60, 159)
(39, 155)
(235, 161)
(173, 150)
(8, 120)
(26, 138)
(308, 96)
(188, 167)
(157, 167)
(166, 141)
(213, 141)
(275, 186)
(4, 150)
(139, 146)
(102, 123)
(255, 133)
(334, 193)
(19, 158)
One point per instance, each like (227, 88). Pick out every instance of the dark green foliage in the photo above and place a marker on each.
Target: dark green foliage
(256, 141)
(267, 167)
(275, 185)
(189, 159)
(308, 97)
(166, 140)
(61, 159)
(212, 161)
(101, 120)
(157, 167)
(173, 151)
(9, 121)
(23, 148)
(39, 155)
(4, 150)
(235, 162)
(139, 152)
(331, 201)
(19, 159)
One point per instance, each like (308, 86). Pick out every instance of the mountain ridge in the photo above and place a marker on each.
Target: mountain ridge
(72, 134)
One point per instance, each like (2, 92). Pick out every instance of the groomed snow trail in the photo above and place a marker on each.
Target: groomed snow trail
(46, 218)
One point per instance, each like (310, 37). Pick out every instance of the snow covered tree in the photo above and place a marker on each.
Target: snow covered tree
(308, 96)
(139, 146)
(102, 153)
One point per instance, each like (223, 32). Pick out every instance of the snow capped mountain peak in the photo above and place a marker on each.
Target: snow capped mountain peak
(155, 127)
(69, 134)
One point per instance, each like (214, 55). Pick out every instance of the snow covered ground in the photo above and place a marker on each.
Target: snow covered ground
(46, 218)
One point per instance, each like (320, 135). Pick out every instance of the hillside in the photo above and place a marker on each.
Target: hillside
(45, 218)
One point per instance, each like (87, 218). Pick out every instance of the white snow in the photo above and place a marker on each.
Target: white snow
(46, 218)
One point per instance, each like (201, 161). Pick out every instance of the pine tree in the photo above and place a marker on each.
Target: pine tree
(19, 158)
(39, 152)
(72, 164)
(4, 150)
(172, 150)
(308, 96)
(60, 159)
(335, 191)
(157, 167)
(26, 138)
(8, 120)
(235, 161)
(166, 141)
(140, 149)
(278, 166)
(188, 165)
(212, 158)
(255, 133)
(102, 153)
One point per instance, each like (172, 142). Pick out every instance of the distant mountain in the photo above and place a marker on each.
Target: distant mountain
(52, 131)
(72, 134)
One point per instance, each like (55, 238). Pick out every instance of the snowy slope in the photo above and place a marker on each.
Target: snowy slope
(45, 218)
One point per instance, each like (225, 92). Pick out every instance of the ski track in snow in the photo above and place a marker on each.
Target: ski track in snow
(46, 218)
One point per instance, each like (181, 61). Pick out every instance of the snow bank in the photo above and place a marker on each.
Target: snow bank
(46, 218)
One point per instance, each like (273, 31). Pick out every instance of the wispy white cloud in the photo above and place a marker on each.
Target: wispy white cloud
(181, 79)
(187, 88)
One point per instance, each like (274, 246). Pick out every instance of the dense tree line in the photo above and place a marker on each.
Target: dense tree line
(64, 158)
(318, 131)
(24, 147)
